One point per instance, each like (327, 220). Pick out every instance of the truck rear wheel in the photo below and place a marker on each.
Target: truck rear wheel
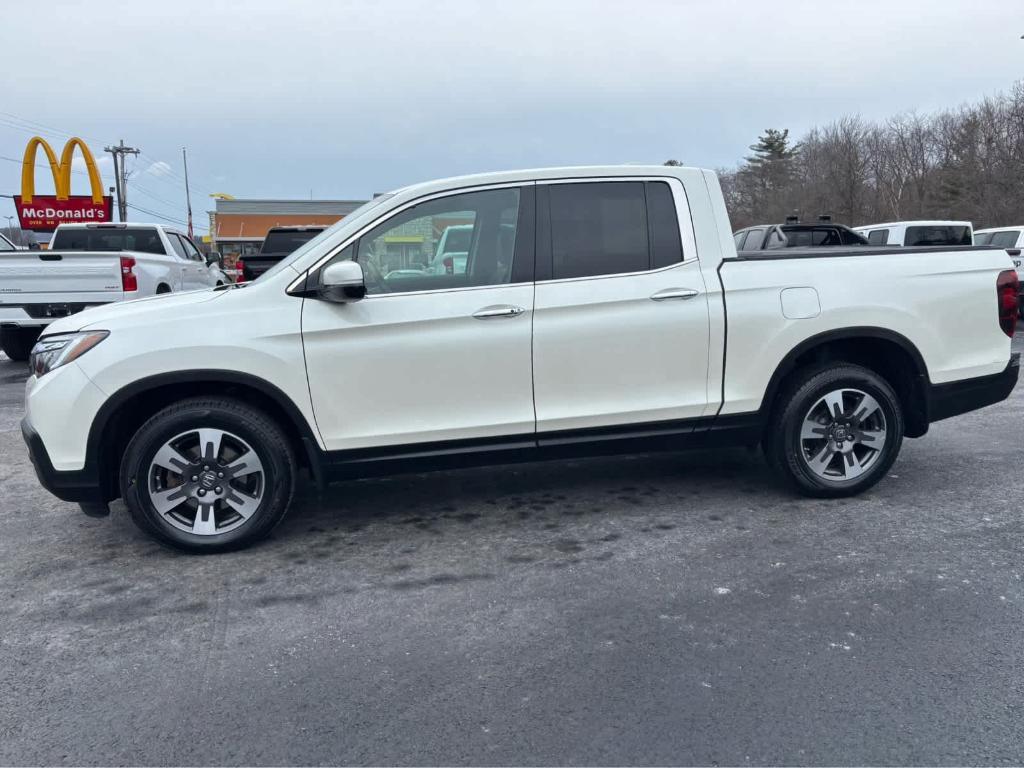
(208, 475)
(835, 431)
(17, 343)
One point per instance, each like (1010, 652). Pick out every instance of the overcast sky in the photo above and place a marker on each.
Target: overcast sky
(343, 99)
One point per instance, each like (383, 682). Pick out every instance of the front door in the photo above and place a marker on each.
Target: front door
(440, 348)
(621, 316)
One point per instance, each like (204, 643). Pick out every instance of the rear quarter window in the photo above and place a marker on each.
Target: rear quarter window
(878, 236)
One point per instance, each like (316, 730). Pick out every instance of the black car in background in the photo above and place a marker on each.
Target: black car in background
(793, 234)
(279, 242)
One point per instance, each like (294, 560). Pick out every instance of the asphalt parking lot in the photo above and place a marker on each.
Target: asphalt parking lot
(670, 609)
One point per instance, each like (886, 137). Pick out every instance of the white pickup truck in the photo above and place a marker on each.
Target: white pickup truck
(92, 264)
(616, 316)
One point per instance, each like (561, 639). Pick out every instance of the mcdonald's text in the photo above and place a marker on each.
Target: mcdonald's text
(45, 212)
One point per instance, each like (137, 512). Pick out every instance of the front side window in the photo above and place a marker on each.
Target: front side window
(754, 241)
(1002, 240)
(465, 240)
(878, 237)
(176, 246)
(190, 249)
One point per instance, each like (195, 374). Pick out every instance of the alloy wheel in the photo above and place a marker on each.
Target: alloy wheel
(843, 435)
(206, 481)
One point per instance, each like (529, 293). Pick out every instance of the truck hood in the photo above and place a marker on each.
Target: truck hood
(135, 311)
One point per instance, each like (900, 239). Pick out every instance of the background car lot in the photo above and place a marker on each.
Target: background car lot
(653, 609)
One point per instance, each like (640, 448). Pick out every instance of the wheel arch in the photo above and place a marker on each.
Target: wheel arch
(128, 408)
(886, 352)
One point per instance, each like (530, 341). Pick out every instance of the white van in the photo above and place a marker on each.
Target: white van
(941, 233)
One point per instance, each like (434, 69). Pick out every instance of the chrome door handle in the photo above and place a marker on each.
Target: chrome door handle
(674, 293)
(501, 310)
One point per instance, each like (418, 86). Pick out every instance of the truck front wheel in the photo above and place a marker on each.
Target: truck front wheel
(208, 474)
(17, 343)
(835, 431)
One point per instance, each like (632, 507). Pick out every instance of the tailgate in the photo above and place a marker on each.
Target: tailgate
(60, 272)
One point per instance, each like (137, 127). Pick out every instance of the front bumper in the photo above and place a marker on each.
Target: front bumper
(81, 485)
(956, 397)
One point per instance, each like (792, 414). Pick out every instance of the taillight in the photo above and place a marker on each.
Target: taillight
(240, 266)
(129, 282)
(1007, 288)
(449, 265)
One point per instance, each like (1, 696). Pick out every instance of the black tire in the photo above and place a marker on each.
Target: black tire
(17, 343)
(163, 289)
(261, 433)
(788, 453)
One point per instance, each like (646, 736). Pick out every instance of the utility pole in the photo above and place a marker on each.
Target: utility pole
(188, 200)
(120, 179)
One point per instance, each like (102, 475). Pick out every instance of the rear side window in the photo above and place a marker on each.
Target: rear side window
(666, 245)
(1002, 240)
(598, 228)
(939, 234)
(775, 240)
(878, 236)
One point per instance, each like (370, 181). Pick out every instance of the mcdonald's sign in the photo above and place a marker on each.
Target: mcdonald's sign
(42, 213)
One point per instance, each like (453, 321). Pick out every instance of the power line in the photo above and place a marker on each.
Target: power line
(161, 216)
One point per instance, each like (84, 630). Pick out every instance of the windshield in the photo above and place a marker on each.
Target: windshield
(288, 240)
(96, 239)
(309, 245)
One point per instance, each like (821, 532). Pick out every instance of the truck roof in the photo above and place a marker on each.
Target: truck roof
(546, 174)
(115, 225)
(916, 223)
(998, 229)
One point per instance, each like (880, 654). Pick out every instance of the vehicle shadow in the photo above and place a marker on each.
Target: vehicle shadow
(541, 495)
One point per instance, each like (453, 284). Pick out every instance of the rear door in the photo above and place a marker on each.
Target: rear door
(428, 358)
(203, 277)
(183, 266)
(621, 328)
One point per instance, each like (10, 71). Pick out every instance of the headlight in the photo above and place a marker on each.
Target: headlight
(54, 351)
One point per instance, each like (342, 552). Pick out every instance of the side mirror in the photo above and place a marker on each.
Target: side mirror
(213, 257)
(342, 282)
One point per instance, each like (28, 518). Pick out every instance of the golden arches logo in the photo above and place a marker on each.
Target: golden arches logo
(61, 169)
